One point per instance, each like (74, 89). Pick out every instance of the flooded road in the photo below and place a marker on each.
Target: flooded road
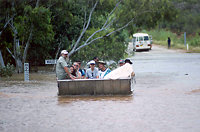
(166, 99)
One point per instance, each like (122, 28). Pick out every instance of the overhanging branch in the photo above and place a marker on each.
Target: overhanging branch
(84, 29)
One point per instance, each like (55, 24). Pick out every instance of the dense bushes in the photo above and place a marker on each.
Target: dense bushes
(6, 71)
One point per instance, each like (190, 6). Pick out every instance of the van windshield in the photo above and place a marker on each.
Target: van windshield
(146, 38)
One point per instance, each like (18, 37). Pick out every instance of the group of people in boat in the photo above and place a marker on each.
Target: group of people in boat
(96, 69)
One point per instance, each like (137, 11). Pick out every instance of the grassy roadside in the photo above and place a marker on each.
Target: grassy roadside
(192, 49)
(177, 41)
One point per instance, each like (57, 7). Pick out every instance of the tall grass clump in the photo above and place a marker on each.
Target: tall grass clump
(194, 40)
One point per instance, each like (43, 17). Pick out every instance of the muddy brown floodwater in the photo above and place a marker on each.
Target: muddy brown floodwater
(166, 99)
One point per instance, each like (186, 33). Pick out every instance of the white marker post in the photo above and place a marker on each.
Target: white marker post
(26, 71)
(187, 47)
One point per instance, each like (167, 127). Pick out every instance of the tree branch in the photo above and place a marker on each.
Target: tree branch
(10, 52)
(85, 44)
(111, 13)
(6, 24)
(120, 28)
(84, 30)
(84, 20)
(27, 44)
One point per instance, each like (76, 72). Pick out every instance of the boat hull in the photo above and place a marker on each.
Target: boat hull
(95, 87)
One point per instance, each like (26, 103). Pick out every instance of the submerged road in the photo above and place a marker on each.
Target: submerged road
(166, 99)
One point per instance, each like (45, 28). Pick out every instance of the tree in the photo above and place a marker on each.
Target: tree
(30, 25)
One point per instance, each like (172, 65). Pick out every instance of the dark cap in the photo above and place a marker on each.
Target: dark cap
(128, 61)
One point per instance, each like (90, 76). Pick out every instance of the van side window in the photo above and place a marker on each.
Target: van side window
(146, 38)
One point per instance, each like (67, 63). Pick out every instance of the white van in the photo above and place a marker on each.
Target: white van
(141, 41)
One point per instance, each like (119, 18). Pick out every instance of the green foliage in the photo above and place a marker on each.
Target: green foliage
(194, 40)
(187, 18)
(6, 71)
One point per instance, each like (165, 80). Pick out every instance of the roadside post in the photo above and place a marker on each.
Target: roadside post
(26, 71)
(185, 38)
(187, 47)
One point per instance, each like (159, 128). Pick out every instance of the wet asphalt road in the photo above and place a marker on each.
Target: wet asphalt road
(166, 99)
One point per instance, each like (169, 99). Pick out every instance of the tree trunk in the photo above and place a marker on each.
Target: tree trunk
(1, 60)
(19, 65)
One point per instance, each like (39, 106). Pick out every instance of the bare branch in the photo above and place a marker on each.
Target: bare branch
(85, 44)
(111, 13)
(120, 28)
(27, 44)
(13, 28)
(84, 30)
(10, 52)
(6, 24)
(110, 23)
(84, 20)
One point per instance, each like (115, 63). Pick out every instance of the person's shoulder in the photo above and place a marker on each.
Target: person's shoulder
(61, 58)
(89, 69)
(96, 69)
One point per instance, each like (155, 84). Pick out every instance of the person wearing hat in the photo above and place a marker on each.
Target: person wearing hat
(121, 63)
(62, 71)
(129, 62)
(92, 72)
(103, 70)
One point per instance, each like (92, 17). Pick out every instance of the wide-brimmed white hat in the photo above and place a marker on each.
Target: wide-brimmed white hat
(64, 52)
(92, 62)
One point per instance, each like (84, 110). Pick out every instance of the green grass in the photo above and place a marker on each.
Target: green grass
(177, 41)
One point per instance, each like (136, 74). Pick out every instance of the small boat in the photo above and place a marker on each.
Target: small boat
(122, 86)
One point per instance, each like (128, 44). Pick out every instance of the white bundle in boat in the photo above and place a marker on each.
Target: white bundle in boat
(121, 72)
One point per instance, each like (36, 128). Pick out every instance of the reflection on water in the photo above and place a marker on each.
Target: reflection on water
(69, 99)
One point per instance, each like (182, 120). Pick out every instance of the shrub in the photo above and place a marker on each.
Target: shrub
(6, 71)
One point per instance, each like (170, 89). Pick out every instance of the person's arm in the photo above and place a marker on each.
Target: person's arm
(67, 71)
(83, 74)
(78, 75)
(97, 74)
(86, 74)
(132, 74)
